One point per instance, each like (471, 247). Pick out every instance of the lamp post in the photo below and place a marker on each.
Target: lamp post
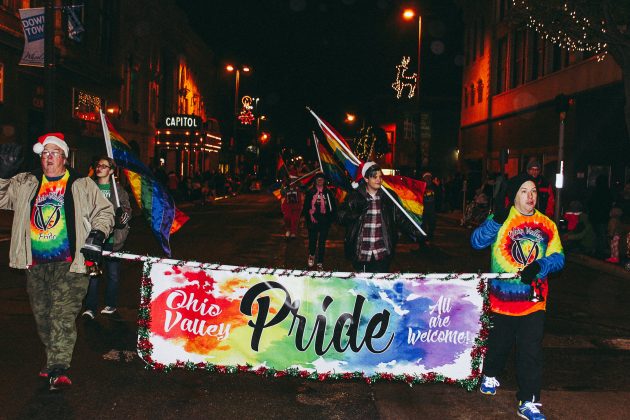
(237, 81)
(408, 15)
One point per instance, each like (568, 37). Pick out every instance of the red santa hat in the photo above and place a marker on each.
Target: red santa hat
(363, 168)
(51, 138)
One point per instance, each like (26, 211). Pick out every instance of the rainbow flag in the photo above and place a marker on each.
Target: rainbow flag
(340, 148)
(408, 192)
(157, 205)
(339, 177)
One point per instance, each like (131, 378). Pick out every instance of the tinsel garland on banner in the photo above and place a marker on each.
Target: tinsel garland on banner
(145, 349)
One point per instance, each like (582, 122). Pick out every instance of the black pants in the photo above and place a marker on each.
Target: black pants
(317, 236)
(527, 333)
(373, 266)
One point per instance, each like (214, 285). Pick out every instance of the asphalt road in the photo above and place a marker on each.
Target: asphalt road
(587, 345)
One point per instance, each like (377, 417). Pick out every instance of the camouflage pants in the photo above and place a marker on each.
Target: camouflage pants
(56, 296)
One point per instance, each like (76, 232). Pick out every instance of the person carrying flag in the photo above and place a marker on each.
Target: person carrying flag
(371, 221)
(524, 240)
(104, 168)
(61, 220)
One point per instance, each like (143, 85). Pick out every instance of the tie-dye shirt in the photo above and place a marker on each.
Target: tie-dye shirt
(518, 242)
(49, 233)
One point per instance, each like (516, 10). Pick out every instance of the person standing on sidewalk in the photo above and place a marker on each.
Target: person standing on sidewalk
(320, 210)
(60, 221)
(104, 168)
(524, 240)
(546, 202)
(371, 221)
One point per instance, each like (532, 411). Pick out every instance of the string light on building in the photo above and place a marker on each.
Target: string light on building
(403, 80)
(568, 29)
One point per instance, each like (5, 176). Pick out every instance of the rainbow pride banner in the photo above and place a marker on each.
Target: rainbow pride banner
(408, 327)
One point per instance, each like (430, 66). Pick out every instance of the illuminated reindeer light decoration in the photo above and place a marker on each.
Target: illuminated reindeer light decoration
(403, 81)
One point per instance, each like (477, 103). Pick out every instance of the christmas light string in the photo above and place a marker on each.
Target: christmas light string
(584, 38)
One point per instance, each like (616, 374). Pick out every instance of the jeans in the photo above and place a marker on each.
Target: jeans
(111, 271)
(317, 240)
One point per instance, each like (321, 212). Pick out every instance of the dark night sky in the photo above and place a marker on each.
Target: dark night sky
(332, 55)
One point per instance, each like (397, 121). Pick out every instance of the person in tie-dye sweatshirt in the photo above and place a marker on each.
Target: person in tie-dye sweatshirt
(525, 241)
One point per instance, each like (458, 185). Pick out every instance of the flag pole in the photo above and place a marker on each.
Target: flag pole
(314, 171)
(386, 191)
(110, 154)
(319, 158)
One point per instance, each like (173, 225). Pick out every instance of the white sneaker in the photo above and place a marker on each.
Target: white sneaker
(88, 314)
(108, 310)
(287, 234)
(311, 260)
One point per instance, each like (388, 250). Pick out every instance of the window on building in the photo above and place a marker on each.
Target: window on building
(1, 82)
(472, 94)
(479, 91)
(518, 59)
(465, 97)
(466, 46)
(11, 4)
(503, 6)
(104, 36)
(482, 36)
(501, 63)
(474, 41)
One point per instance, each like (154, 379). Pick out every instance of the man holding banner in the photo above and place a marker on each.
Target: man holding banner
(60, 221)
(371, 221)
(526, 241)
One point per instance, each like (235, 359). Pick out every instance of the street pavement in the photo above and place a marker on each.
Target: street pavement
(587, 343)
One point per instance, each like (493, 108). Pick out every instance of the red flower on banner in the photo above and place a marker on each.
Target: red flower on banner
(280, 374)
(221, 368)
(347, 375)
(304, 374)
(323, 376)
(243, 368)
(261, 370)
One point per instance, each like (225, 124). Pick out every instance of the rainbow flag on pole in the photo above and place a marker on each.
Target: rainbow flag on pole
(157, 205)
(406, 193)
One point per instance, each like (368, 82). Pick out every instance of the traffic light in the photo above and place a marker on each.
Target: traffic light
(563, 103)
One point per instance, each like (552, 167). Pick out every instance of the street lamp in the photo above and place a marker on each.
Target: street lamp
(409, 15)
(237, 71)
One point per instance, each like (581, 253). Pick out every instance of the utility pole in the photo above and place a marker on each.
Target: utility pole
(49, 65)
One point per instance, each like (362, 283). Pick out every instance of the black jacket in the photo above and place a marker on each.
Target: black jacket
(325, 219)
(352, 215)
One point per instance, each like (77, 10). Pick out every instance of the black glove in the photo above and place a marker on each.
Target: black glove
(121, 219)
(10, 159)
(93, 248)
(528, 274)
(501, 213)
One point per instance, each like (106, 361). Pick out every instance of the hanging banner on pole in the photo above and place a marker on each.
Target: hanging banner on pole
(33, 28)
(412, 327)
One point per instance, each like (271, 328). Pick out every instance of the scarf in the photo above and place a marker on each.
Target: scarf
(319, 194)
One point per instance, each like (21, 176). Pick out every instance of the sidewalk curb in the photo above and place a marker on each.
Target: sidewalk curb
(595, 264)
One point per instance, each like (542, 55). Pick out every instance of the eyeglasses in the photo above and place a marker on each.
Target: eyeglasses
(100, 165)
(53, 153)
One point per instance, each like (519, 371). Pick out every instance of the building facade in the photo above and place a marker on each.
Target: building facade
(511, 79)
(137, 61)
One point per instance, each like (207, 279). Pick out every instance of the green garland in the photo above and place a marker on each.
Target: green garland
(145, 349)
